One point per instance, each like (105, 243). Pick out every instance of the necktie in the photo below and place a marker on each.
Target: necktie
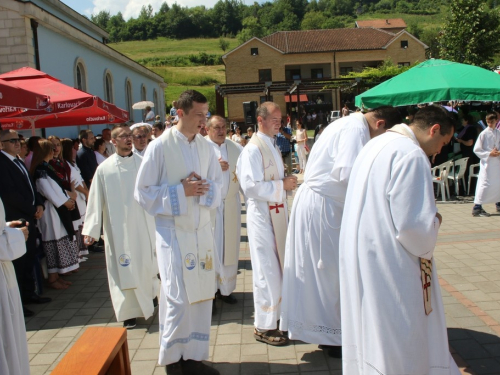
(23, 170)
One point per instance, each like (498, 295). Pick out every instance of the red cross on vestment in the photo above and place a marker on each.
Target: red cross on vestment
(426, 286)
(276, 207)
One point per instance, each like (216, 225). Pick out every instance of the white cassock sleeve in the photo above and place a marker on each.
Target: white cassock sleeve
(52, 191)
(212, 198)
(97, 199)
(12, 243)
(351, 143)
(479, 148)
(151, 189)
(251, 177)
(412, 206)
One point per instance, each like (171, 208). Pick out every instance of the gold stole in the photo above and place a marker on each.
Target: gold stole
(276, 209)
(195, 243)
(425, 265)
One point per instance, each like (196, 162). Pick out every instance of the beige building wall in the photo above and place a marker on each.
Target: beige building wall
(16, 49)
(242, 67)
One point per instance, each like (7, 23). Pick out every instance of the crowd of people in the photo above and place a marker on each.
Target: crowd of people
(350, 269)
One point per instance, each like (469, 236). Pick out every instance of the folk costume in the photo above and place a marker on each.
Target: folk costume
(311, 291)
(260, 171)
(184, 240)
(226, 220)
(392, 313)
(56, 224)
(129, 237)
(14, 358)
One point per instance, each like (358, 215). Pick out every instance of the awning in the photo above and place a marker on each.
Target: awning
(303, 98)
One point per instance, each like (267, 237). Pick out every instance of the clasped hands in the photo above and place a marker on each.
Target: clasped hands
(16, 223)
(290, 183)
(495, 152)
(194, 185)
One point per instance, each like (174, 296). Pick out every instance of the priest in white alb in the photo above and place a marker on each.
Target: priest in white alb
(129, 232)
(311, 295)
(261, 173)
(179, 183)
(393, 318)
(487, 149)
(14, 359)
(226, 220)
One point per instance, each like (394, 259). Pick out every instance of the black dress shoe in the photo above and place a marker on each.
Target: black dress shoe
(130, 323)
(174, 368)
(37, 299)
(28, 313)
(95, 249)
(335, 352)
(229, 299)
(214, 308)
(191, 367)
(155, 302)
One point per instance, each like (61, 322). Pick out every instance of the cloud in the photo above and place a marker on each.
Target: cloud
(132, 8)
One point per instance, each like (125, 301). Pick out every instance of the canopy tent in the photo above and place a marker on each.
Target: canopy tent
(13, 96)
(433, 81)
(66, 105)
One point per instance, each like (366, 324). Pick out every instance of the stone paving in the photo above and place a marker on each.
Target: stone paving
(468, 259)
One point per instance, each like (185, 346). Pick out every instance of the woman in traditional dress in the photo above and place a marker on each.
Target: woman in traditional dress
(100, 150)
(301, 138)
(82, 192)
(56, 224)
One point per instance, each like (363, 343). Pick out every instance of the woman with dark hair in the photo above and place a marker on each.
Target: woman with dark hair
(56, 224)
(100, 150)
(82, 192)
(32, 145)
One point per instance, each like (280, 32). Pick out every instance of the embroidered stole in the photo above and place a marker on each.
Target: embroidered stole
(425, 265)
(196, 243)
(276, 209)
(232, 209)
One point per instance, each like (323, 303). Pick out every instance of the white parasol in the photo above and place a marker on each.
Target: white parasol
(143, 105)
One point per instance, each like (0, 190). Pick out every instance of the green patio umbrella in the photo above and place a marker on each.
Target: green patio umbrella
(433, 81)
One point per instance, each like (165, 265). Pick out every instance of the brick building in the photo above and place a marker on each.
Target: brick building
(295, 57)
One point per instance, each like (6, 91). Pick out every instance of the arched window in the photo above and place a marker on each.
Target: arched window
(143, 92)
(155, 101)
(128, 98)
(108, 87)
(80, 74)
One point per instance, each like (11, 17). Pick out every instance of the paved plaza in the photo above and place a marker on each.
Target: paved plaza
(468, 259)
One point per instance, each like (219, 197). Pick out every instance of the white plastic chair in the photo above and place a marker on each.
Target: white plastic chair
(472, 174)
(457, 173)
(440, 177)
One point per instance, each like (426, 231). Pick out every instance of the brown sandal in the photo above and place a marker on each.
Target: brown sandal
(57, 284)
(272, 337)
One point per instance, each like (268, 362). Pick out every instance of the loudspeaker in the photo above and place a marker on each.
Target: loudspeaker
(249, 112)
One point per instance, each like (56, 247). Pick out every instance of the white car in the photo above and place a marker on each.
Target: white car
(335, 115)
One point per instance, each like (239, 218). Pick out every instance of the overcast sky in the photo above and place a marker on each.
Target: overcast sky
(129, 8)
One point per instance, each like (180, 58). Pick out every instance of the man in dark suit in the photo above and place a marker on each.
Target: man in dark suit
(85, 157)
(22, 201)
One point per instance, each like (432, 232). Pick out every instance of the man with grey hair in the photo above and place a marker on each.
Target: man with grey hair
(261, 173)
(226, 220)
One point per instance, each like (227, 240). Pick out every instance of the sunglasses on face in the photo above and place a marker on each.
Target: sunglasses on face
(13, 140)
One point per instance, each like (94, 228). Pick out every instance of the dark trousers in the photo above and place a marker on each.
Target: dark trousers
(24, 265)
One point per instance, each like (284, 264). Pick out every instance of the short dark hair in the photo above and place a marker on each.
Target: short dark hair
(491, 115)
(159, 125)
(186, 99)
(116, 129)
(389, 114)
(84, 134)
(98, 143)
(431, 115)
(265, 108)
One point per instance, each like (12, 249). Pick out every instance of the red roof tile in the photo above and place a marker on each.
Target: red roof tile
(396, 23)
(328, 40)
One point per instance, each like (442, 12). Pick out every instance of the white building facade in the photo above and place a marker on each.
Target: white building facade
(50, 36)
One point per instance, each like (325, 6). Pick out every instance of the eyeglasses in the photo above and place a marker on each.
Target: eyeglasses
(13, 140)
(218, 129)
(125, 136)
(139, 136)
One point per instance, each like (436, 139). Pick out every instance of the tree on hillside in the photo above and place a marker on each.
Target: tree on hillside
(101, 19)
(470, 34)
(313, 20)
(251, 28)
(223, 44)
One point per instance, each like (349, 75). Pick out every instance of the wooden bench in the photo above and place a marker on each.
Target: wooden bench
(99, 351)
